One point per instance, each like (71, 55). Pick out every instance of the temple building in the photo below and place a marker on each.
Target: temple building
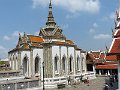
(61, 57)
(115, 45)
(102, 63)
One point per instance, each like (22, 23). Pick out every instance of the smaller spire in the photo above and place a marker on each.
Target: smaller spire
(117, 22)
(50, 21)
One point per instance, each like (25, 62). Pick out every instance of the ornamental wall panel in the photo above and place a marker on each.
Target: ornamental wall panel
(38, 53)
(78, 54)
(55, 52)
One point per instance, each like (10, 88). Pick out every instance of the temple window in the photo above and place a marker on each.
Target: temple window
(56, 64)
(78, 63)
(63, 63)
(70, 64)
(36, 64)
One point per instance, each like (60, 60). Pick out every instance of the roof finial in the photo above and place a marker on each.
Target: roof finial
(50, 21)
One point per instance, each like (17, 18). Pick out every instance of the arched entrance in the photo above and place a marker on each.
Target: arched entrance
(70, 64)
(25, 66)
(64, 64)
(78, 63)
(37, 63)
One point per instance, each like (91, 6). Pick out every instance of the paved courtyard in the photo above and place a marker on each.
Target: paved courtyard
(96, 84)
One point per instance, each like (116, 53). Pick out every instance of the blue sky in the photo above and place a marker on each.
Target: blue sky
(87, 22)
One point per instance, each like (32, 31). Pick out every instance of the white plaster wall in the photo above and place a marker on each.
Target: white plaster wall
(16, 60)
(84, 61)
(13, 61)
(78, 54)
(39, 53)
(64, 53)
(71, 52)
(23, 54)
(55, 51)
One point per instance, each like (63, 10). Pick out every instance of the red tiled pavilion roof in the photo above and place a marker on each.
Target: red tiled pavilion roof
(115, 47)
(107, 66)
(35, 38)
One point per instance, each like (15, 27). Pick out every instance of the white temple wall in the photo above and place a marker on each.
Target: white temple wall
(23, 55)
(38, 53)
(64, 54)
(78, 54)
(55, 52)
(13, 57)
(83, 63)
(71, 53)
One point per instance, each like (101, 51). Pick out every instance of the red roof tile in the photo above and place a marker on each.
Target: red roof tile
(106, 66)
(96, 54)
(59, 42)
(102, 55)
(69, 42)
(36, 45)
(35, 38)
(111, 57)
(115, 48)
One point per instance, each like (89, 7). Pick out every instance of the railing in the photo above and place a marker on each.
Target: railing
(4, 74)
(18, 85)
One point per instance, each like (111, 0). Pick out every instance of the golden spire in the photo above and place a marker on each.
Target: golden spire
(50, 21)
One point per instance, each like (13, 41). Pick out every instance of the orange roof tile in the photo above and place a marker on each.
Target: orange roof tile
(102, 55)
(26, 47)
(36, 45)
(111, 57)
(106, 66)
(59, 42)
(98, 61)
(96, 54)
(35, 38)
(116, 46)
(69, 42)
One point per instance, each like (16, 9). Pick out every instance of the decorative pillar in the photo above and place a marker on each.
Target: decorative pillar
(100, 72)
(108, 72)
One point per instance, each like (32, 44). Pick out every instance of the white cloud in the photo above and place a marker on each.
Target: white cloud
(92, 30)
(69, 16)
(6, 37)
(15, 34)
(102, 36)
(95, 25)
(12, 36)
(109, 17)
(65, 26)
(37, 33)
(112, 15)
(3, 52)
(73, 6)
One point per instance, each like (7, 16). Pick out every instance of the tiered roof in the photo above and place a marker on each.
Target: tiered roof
(115, 46)
(102, 61)
(51, 34)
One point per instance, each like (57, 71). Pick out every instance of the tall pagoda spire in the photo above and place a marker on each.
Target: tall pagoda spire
(117, 22)
(50, 21)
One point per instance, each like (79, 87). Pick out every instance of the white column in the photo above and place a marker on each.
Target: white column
(93, 68)
(100, 72)
(108, 72)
